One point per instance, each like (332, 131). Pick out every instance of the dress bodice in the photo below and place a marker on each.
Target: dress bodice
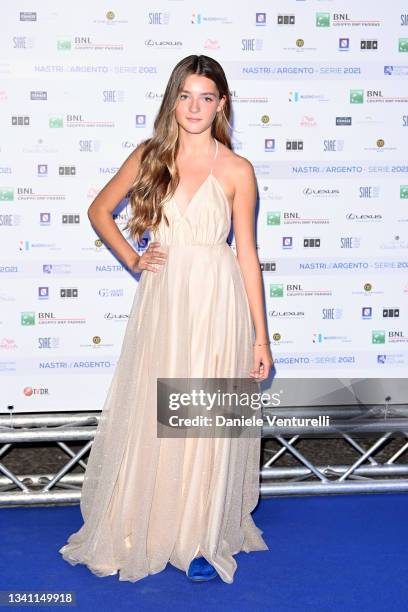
(205, 221)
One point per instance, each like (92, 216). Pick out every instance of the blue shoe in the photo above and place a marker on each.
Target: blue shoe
(200, 570)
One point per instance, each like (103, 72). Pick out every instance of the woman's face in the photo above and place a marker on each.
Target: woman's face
(197, 104)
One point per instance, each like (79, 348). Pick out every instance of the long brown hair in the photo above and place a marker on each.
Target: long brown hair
(158, 178)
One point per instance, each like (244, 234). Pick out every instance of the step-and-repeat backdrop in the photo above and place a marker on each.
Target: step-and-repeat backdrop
(320, 101)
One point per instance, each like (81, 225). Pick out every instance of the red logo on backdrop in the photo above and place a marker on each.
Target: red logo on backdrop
(29, 391)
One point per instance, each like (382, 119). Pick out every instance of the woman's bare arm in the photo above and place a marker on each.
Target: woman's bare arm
(101, 209)
(243, 210)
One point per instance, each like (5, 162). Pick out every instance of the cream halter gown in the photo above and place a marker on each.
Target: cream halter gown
(147, 501)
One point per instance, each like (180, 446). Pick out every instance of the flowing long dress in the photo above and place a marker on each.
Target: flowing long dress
(147, 501)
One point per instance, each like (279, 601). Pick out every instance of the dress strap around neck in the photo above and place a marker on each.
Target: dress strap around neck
(216, 153)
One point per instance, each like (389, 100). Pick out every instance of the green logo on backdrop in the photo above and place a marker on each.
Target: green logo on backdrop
(403, 45)
(356, 96)
(322, 20)
(28, 318)
(275, 290)
(6, 194)
(273, 217)
(378, 337)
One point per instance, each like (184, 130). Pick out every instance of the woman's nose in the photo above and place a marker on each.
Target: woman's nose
(194, 105)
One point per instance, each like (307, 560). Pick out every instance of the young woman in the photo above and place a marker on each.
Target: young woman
(198, 312)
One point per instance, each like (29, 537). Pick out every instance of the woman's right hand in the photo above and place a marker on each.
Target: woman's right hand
(152, 255)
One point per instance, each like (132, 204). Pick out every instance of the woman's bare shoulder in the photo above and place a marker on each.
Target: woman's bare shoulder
(235, 163)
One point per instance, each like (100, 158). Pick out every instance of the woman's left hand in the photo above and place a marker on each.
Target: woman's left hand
(262, 364)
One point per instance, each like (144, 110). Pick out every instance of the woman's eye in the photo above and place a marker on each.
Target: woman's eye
(182, 96)
(208, 99)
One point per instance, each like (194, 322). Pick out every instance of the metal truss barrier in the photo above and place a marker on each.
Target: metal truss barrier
(364, 474)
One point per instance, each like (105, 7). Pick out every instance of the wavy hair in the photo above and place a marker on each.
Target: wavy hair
(157, 178)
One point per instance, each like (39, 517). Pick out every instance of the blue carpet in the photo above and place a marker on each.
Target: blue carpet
(334, 553)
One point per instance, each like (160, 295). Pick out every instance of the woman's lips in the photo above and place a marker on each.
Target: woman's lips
(194, 119)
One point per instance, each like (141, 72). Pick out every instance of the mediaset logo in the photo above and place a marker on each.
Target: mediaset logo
(297, 96)
(287, 242)
(367, 312)
(199, 19)
(269, 145)
(27, 245)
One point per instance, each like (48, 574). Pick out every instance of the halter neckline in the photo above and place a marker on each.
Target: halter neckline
(216, 153)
